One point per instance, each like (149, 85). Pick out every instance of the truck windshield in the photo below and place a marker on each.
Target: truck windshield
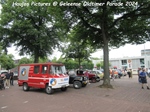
(58, 69)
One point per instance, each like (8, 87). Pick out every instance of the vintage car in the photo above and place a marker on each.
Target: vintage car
(99, 73)
(93, 77)
(77, 81)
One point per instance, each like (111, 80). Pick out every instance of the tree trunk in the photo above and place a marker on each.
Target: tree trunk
(106, 80)
(36, 58)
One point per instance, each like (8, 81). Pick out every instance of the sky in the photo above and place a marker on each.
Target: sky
(124, 51)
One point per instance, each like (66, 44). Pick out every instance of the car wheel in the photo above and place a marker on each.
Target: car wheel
(98, 79)
(25, 87)
(77, 84)
(49, 90)
(64, 89)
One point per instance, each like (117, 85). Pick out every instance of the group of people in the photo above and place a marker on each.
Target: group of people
(142, 77)
(7, 80)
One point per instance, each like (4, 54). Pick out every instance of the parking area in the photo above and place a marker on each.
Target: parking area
(127, 96)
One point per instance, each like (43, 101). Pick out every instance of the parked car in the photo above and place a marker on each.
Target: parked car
(93, 77)
(77, 81)
(3, 72)
(99, 73)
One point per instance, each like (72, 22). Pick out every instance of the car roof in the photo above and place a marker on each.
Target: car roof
(1, 71)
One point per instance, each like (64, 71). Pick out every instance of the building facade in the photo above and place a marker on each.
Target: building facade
(130, 62)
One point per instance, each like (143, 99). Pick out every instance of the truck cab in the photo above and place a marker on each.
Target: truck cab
(48, 76)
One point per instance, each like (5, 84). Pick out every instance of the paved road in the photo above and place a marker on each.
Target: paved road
(127, 96)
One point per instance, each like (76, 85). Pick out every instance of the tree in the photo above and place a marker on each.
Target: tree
(25, 61)
(6, 61)
(99, 65)
(77, 48)
(31, 28)
(73, 64)
(104, 30)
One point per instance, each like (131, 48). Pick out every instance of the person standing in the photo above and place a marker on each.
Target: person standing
(129, 73)
(11, 78)
(139, 71)
(143, 77)
(113, 75)
(8, 80)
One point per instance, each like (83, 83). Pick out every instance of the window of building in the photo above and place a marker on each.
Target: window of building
(142, 61)
(124, 62)
(36, 69)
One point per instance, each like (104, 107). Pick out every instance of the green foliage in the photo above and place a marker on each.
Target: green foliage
(87, 65)
(77, 48)
(32, 29)
(99, 65)
(73, 64)
(25, 61)
(6, 61)
(54, 60)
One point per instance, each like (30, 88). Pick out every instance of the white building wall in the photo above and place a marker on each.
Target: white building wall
(132, 62)
(135, 63)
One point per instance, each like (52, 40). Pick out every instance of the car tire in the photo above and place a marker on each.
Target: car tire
(25, 87)
(49, 90)
(64, 89)
(98, 79)
(77, 84)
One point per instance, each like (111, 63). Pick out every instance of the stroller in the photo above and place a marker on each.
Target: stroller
(2, 83)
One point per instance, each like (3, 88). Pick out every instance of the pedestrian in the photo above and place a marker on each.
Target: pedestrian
(138, 72)
(112, 74)
(8, 80)
(11, 78)
(143, 77)
(129, 73)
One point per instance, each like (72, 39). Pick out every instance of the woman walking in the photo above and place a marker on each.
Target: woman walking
(143, 77)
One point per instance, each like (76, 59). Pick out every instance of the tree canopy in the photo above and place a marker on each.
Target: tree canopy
(108, 25)
(31, 28)
(6, 61)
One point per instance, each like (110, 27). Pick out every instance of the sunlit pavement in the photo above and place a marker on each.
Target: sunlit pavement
(127, 96)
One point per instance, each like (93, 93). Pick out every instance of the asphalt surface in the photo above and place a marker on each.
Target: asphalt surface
(127, 96)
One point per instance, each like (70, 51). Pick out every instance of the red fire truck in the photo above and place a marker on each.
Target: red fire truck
(49, 76)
